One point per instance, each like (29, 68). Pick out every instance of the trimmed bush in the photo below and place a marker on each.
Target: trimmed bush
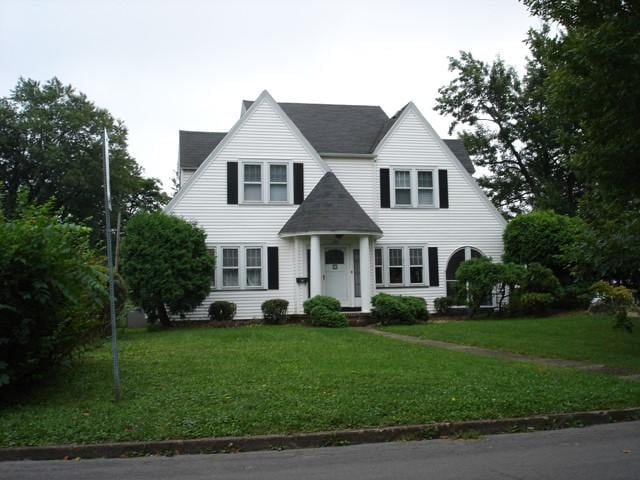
(327, 302)
(392, 309)
(275, 311)
(443, 304)
(533, 303)
(321, 316)
(222, 311)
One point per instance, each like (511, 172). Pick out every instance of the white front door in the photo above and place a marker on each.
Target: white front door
(335, 274)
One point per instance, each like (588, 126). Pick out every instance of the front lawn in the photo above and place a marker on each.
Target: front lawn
(275, 379)
(581, 336)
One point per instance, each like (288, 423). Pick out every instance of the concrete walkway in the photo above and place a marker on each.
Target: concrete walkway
(623, 373)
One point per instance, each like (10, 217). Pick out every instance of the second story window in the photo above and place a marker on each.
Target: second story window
(403, 187)
(252, 182)
(278, 183)
(425, 187)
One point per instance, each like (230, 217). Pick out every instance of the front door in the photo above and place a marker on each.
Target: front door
(335, 274)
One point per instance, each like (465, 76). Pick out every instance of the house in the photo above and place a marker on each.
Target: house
(303, 199)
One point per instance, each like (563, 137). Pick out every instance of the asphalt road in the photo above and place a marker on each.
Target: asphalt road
(604, 452)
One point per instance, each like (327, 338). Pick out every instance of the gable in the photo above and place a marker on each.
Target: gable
(263, 133)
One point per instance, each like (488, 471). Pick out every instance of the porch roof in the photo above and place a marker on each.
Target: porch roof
(330, 208)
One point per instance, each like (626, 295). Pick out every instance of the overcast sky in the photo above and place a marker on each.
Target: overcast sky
(162, 66)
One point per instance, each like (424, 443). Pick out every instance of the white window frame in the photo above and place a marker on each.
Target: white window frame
(402, 266)
(410, 188)
(422, 265)
(432, 188)
(376, 265)
(223, 268)
(242, 267)
(406, 266)
(414, 187)
(265, 181)
(286, 184)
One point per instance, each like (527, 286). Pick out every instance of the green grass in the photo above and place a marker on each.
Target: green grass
(277, 379)
(575, 337)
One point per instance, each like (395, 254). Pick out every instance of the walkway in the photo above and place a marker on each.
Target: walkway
(624, 373)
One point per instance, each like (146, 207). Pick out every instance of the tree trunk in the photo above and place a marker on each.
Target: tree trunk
(163, 315)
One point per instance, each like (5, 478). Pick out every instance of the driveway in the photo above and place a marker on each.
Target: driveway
(600, 452)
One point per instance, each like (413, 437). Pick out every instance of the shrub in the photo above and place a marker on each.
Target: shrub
(321, 316)
(418, 307)
(542, 236)
(617, 300)
(275, 311)
(222, 311)
(329, 303)
(53, 292)
(166, 264)
(532, 303)
(443, 304)
(479, 275)
(390, 309)
(540, 279)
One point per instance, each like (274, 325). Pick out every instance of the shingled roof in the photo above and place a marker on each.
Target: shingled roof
(196, 146)
(330, 208)
(344, 129)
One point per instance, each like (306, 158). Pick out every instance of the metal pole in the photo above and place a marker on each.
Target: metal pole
(112, 302)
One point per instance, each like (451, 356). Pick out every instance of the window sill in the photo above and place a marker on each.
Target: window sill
(239, 289)
(399, 287)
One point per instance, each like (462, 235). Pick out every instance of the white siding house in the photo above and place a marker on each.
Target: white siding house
(302, 199)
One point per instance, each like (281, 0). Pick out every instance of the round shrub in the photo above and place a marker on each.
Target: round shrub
(540, 279)
(533, 303)
(327, 302)
(222, 311)
(275, 311)
(418, 307)
(443, 304)
(323, 317)
(391, 309)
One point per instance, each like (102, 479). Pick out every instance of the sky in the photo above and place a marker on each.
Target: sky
(164, 66)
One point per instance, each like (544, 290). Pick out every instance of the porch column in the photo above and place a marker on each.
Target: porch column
(315, 275)
(365, 274)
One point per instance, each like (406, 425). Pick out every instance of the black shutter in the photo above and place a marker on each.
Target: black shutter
(443, 186)
(273, 268)
(298, 183)
(434, 275)
(232, 183)
(385, 193)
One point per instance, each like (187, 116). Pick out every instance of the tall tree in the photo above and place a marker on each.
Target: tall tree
(51, 147)
(510, 131)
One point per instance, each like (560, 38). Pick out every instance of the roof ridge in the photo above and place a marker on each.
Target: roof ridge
(200, 131)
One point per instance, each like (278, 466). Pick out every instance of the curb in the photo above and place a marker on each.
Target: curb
(319, 439)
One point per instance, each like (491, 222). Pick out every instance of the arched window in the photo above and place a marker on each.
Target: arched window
(459, 256)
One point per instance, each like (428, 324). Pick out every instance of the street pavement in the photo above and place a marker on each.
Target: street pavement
(603, 452)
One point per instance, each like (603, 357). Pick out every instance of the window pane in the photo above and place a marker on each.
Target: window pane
(254, 277)
(452, 290)
(395, 256)
(415, 256)
(230, 277)
(252, 173)
(395, 275)
(425, 180)
(416, 274)
(254, 257)
(252, 192)
(454, 263)
(403, 179)
(356, 273)
(425, 197)
(378, 275)
(475, 253)
(278, 193)
(278, 173)
(334, 257)
(378, 253)
(229, 257)
(403, 197)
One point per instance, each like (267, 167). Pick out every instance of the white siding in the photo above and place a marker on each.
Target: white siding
(358, 177)
(185, 175)
(468, 221)
(264, 135)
